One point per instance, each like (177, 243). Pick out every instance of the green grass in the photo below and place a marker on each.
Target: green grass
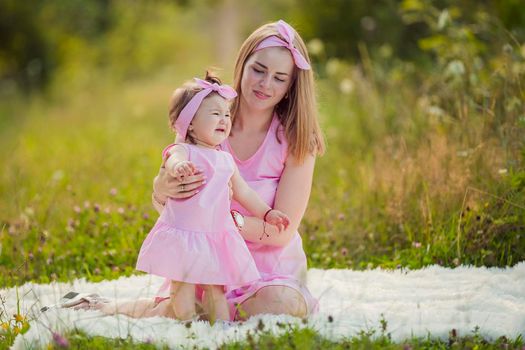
(76, 200)
(306, 338)
(423, 167)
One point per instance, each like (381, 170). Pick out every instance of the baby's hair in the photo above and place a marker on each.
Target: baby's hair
(182, 96)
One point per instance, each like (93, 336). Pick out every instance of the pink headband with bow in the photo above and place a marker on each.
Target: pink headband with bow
(188, 112)
(287, 33)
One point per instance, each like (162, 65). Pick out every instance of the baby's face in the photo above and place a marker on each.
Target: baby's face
(211, 124)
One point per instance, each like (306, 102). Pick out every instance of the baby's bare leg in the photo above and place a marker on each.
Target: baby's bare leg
(214, 303)
(182, 300)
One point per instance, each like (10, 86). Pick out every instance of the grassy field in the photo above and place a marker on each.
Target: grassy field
(76, 189)
(423, 167)
(308, 339)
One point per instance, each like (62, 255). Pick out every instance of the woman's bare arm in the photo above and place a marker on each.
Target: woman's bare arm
(247, 197)
(292, 197)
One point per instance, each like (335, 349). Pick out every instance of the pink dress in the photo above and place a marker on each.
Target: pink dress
(195, 240)
(278, 266)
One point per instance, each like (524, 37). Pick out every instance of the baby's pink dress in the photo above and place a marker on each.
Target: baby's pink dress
(195, 240)
(278, 266)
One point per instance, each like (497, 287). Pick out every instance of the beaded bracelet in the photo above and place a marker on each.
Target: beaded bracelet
(264, 232)
(266, 214)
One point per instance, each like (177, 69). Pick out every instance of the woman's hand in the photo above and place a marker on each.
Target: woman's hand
(291, 198)
(165, 185)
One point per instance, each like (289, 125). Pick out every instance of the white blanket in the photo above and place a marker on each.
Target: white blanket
(433, 300)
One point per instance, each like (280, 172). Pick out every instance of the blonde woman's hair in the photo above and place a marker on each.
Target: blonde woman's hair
(298, 112)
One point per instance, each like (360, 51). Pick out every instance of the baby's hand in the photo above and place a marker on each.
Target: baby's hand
(278, 218)
(183, 169)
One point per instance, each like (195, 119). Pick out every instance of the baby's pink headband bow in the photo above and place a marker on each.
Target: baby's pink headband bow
(287, 33)
(188, 112)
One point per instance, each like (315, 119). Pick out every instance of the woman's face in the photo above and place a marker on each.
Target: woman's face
(266, 77)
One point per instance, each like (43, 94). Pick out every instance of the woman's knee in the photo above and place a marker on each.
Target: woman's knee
(294, 304)
(276, 300)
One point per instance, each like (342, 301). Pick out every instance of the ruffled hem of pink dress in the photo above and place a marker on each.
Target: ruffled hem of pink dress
(218, 258)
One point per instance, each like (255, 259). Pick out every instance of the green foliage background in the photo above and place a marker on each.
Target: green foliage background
(421, 102)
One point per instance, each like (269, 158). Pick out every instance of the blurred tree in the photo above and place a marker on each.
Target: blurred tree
(25, 56)
(512, 15)
(30, 32)
(38, 37)
(343, 24)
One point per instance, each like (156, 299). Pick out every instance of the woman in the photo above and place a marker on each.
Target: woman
(274, 140)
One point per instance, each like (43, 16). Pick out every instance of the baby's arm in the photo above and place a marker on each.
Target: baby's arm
(177, 163)
(249, 199)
